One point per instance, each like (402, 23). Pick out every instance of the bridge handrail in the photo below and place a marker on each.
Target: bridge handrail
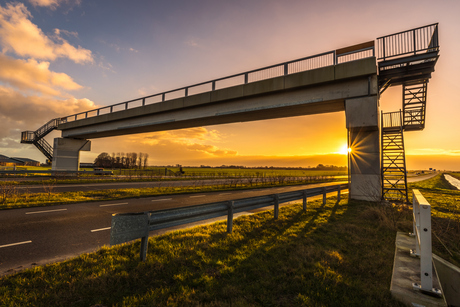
(131, 226)
(414, 41)
(423, 247)
(294, 66)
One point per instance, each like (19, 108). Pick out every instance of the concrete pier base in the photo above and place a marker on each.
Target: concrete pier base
(364, 140)
(66, 153)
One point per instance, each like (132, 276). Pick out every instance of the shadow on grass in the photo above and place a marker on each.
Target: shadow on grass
(329, 255)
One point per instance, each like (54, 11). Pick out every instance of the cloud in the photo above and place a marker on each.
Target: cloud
(184, 135)
(31, 75)
(47, 3)
(19, 112)
(19, 35)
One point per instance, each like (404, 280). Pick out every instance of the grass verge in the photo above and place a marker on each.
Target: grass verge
(445, 216)
(11, 199)
(338, 254)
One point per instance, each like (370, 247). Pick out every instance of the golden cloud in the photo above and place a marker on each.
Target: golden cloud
(33, 75)
(19, 112)
(19, 35)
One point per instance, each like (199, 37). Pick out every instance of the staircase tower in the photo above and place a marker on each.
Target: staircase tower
(406, 58)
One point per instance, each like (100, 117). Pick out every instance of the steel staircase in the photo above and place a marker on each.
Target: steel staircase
(394, 175)
(37, 137)
(406, 58)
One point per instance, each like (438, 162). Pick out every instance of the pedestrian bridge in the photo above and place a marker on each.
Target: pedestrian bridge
(345, 79)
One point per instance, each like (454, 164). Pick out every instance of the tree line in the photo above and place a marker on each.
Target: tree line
(122, 160)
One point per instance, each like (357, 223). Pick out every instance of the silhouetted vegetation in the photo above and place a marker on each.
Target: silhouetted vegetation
(122, 160)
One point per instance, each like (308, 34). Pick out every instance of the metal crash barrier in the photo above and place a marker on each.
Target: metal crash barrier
(131, 226)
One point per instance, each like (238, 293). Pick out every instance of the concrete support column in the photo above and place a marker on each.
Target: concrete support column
(66, 153)
(362, 122)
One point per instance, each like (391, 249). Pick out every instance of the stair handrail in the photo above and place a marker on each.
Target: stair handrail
(413, 41)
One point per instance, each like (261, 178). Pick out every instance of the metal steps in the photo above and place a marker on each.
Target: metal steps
(37, 137)
(393, 172)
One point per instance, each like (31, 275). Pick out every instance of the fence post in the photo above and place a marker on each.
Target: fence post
(304, 200)
(324, 195)
(277, 205)
(230, 216)
(338, 193)
(426, 268)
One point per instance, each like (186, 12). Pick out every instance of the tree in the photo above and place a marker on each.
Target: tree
(103, 160)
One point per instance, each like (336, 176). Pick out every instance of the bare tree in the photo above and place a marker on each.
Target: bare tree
(146, 158)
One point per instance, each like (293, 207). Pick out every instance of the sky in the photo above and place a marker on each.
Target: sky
(60, 57)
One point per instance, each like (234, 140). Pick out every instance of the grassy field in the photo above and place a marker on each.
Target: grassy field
(340, 254)
(445, 212)
(158, 174)
(10, 198)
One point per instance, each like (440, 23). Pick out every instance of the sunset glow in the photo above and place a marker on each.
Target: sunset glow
(63, 57)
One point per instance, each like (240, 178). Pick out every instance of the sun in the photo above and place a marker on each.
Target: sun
(344, 150)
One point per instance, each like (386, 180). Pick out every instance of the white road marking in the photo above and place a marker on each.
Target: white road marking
(13, 244)
(163, 199)
(46, 211)
(108, 205)
(101, 229)
(197, 196)
(225, 193)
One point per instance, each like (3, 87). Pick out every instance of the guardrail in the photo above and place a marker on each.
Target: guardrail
(131, 226)
(422, 234)
(325, 59)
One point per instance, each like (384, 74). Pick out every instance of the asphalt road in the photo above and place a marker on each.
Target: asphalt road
(38, 188)
(37, 236)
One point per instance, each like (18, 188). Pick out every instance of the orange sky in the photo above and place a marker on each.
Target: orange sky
(58, 58)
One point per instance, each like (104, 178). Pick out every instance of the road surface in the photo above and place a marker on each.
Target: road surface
(41, 235)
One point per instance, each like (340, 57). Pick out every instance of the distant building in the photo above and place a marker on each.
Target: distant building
(27, 161)
(6, 161)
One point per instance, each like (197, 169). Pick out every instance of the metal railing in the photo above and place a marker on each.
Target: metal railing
(304, 64)
(391, 119)
(422, 234)
(131, 226)
(414, 41)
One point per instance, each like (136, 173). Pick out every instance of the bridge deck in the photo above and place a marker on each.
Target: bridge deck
(309, 92)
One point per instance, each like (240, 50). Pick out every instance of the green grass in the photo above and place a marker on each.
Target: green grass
(11, 199)
(340, 254)
(445, 212)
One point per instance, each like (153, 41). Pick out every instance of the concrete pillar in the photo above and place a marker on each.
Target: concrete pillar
(66, 153)
(362, 120)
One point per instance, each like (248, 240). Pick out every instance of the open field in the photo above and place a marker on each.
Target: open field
(10, 198)
(159, 174)
(339, 254)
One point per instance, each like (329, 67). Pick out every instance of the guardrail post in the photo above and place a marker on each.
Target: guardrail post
(143, 101)
(230, 216)
(213, 87)
(163, 97)
(324, 195)
(286, 71)
(246, 78)
(304, 200)
(144, 247)
(277, 205)
(186, 91)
